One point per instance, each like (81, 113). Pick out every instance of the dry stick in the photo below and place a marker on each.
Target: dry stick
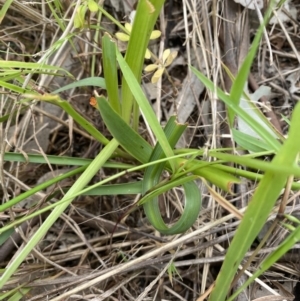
(285, 197)
(235, 44)
(169, 22)
(235, 40)
(156, 262)
(110, 226)
(17, 237)
(141, 259)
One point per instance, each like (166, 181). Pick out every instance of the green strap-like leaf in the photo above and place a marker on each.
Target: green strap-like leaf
(147, 13)
(80, 120)
(111, 72)
(130, 140)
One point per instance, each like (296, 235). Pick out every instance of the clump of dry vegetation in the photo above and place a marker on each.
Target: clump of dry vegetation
(102, 247)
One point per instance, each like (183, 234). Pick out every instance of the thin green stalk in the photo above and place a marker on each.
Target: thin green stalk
(111, 18)
(55, 214)
(40, 187)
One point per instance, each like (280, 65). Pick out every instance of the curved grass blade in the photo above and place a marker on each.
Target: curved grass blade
(152, 176)
(189, 216)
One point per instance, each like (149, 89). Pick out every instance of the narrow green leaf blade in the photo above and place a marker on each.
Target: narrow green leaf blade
(4, 9)
(249, 142)
(257, 164)
(85, 82)
(146, 16)
(115, 189)
(273, 144)
(130, 140)
(258, 210)
(80, 120)
(110, 72)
